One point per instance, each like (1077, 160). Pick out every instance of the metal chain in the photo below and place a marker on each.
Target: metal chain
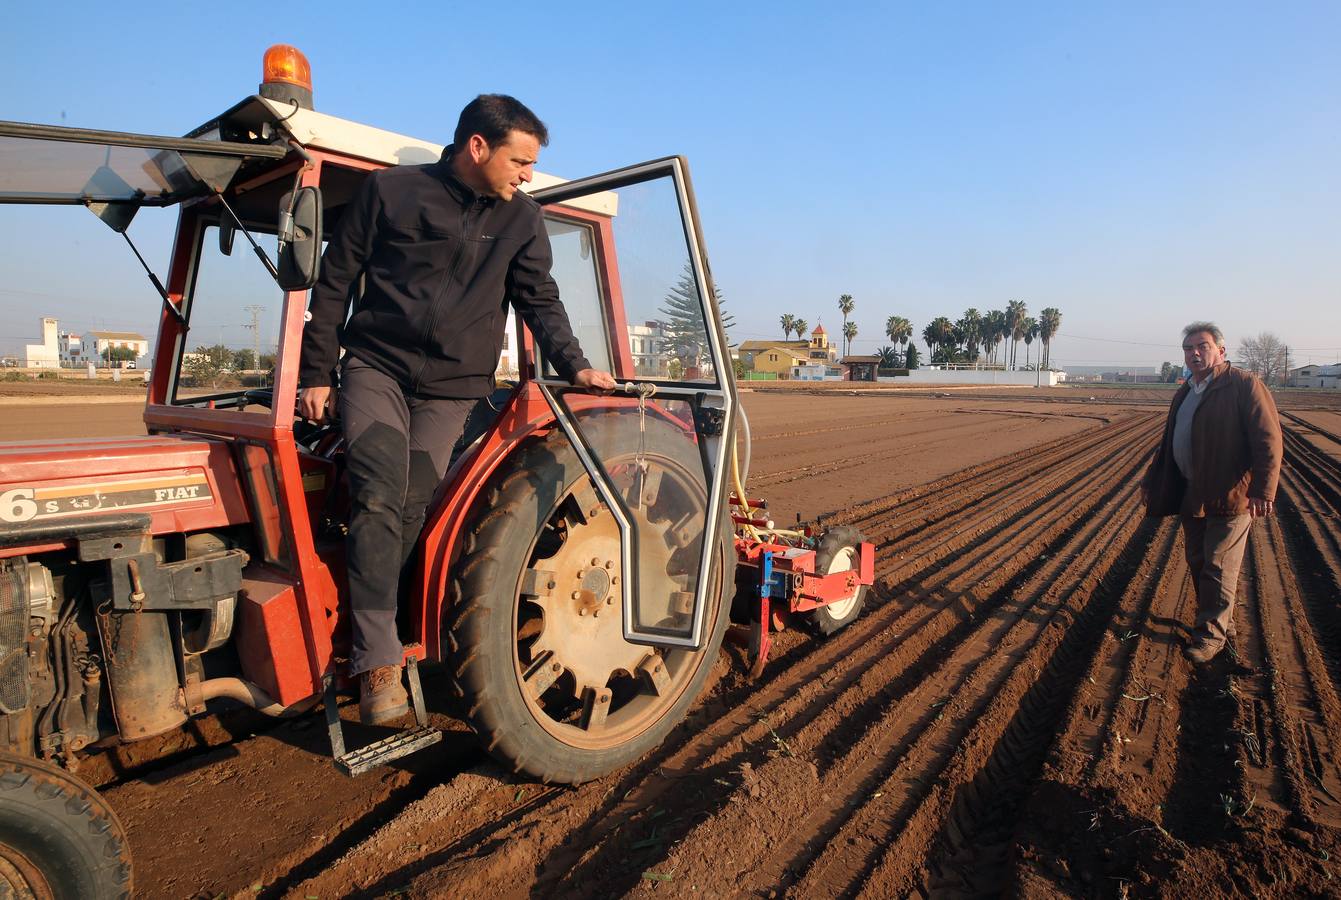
(644, 392)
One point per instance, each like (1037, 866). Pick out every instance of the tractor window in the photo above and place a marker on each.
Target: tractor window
(575, 271)
(656, 451)
(623, 264)
(234, 308)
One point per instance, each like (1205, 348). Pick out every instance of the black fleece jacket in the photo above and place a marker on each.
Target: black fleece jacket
(440, 265)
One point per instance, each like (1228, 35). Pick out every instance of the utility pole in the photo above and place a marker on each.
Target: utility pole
(255, 327)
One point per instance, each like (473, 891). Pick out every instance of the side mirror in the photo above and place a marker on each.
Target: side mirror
(299, 239)
(226, 234)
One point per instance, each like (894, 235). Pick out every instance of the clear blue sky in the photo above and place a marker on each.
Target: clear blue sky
(1136, 165)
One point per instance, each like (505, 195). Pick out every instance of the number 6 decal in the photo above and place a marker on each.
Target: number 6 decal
(17, 505)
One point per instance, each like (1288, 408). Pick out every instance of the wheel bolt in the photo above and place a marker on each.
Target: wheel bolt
(609, 563)
(577, 595)
(595, 561)
(609, 600)
(582, 612)
(556, 668)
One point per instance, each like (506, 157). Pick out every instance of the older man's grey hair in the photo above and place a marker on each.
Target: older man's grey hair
(1210, 328)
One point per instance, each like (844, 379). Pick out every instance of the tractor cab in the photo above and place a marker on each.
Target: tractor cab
(259, 188)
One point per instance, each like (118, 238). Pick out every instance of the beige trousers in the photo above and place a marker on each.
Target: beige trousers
(1214, 547)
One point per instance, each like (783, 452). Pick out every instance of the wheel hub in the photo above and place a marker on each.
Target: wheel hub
(583, 626)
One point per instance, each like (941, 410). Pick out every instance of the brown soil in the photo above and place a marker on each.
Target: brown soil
(1010, 715)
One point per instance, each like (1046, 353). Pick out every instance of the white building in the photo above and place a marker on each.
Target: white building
(96, 346)
(71, 350)
(1316, 376)
(646, 343)
(817, 371)
(45, 355)
(507, 360)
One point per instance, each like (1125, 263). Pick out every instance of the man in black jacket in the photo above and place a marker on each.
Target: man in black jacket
(442, 250)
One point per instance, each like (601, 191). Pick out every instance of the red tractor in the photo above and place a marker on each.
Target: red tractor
(579, 560)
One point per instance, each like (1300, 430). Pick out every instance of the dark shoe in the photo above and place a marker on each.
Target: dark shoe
(1203, 648)
(382, 697)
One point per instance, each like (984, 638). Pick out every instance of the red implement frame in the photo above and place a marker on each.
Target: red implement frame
(787, 574)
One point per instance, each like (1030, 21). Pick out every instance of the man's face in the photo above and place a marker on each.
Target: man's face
(1201, 353)
(499, 171)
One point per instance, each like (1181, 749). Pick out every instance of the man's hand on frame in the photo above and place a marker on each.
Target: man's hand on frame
(316, 403)
(595, 381)
(1259, 508)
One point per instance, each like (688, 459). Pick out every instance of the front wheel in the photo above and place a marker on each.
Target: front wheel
(58, 838)
(538, 654)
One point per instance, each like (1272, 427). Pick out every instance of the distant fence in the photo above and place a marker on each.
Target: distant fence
(759, 376)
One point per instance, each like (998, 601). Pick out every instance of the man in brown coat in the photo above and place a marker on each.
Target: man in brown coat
(1217, 469)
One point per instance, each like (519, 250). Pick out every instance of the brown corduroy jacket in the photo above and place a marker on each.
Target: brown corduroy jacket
(1236, 450)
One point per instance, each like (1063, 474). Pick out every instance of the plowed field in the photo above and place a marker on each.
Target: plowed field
(1011, 714)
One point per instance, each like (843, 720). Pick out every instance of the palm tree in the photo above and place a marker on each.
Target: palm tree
(800, 326)
(1049, 321)
(938, 335)
(993, 330)
(788, 323)
(899, 330)
(849, 332)
(889, 357)
(930, 335)
(1029, 331)
(1015, 314)
(845, 305)
(971, 327)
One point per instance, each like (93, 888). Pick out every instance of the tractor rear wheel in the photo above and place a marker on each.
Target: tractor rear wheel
(838, 552)
(536, 637)
(58, 837)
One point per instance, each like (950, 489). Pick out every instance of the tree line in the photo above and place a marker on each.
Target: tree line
(974, 339)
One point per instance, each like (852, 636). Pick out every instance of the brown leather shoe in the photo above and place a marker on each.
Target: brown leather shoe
(1203, 648)
(382, 697)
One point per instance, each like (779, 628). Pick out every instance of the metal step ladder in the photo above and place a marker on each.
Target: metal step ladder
(379, 753)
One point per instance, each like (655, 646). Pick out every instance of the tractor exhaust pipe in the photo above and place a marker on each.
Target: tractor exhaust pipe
(248, 694)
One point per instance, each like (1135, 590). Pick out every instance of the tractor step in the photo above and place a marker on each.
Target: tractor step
(393, 747)
(379, 753)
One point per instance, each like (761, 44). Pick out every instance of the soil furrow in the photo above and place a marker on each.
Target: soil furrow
(1303, 672)
(960, 690)
(974, 844)
(1021, 469)
(1313, 545)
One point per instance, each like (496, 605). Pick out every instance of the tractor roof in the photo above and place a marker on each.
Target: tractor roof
(258, 117)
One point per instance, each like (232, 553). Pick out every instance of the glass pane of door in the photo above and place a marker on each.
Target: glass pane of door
(631, 270)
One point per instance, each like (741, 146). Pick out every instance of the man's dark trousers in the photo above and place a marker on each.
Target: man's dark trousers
(1214, 547)
(397, 449)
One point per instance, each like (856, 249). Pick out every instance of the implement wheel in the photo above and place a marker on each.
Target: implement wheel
(538, 654)
(58, 838)
(837, 552)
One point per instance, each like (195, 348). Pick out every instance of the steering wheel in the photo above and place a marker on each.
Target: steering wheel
(305, 431)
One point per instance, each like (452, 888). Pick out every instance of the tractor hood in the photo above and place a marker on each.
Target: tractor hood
(184, 483)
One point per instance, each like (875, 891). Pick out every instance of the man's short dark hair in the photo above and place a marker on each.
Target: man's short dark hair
(494, 116)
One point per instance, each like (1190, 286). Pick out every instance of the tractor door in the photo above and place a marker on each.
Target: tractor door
(633, 274)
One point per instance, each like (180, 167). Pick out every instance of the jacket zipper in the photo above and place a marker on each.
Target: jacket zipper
(437, 301)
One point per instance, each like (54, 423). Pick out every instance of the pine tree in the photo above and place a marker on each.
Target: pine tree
(683, 324)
